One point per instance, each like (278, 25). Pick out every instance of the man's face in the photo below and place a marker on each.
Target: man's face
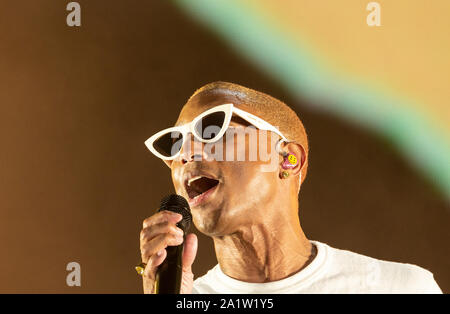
(223, 195)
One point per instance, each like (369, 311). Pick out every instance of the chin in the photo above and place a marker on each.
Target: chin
(207, 222)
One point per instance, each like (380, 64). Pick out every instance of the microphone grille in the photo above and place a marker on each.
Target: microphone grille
(178, 204)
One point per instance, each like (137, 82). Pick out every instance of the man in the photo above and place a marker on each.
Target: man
(250, 208)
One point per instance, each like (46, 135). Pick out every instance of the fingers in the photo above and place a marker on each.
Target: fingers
(153, 262)
(164, 227)
(157, 244)
(162, 216)
(159, 231)
(189, 252)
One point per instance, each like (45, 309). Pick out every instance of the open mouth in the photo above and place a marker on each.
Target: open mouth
(199, 185)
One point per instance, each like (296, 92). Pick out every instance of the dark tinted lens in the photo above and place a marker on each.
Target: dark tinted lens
(210, 125)
(169, 144)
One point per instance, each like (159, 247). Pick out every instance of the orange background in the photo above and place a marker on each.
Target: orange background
(76, 181)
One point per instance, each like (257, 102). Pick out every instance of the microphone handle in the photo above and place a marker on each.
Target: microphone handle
(169, 274)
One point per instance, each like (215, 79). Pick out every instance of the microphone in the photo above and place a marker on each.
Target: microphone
(169, 274)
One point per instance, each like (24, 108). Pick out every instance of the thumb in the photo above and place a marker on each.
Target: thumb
(189, 251)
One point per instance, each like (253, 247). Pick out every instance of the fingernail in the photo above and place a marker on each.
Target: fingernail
(179, 216)
(179, 232)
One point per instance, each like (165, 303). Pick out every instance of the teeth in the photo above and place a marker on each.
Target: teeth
(193, 179)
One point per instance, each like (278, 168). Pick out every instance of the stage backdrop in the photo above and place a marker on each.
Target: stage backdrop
(77, 104)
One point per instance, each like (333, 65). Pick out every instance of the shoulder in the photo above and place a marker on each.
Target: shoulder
(382, 276)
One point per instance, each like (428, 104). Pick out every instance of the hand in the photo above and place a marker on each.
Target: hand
(160, 231)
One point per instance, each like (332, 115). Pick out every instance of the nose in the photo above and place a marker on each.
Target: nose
(192, 150)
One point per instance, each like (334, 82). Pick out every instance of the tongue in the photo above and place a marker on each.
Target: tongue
(202, 185)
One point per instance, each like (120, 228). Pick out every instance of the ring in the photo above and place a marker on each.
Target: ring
(140, 268)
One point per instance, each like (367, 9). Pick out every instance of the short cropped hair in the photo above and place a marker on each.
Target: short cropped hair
(268, 108)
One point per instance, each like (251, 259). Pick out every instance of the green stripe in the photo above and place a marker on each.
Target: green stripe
(423, 144)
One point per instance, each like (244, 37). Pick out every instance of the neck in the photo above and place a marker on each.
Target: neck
(266, 251)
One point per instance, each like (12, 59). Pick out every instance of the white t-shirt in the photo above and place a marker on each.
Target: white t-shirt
(331, 271)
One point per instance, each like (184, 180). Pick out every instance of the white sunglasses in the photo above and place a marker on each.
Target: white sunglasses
(207, 127)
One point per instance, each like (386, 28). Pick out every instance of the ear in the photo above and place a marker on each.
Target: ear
(299, 152)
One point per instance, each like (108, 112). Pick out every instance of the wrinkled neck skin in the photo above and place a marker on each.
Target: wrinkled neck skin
(270, 249)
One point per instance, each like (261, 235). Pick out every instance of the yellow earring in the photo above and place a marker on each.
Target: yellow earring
(284, 174)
